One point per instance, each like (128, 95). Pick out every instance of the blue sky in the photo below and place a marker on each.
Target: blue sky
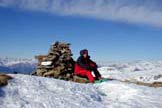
(106, 28)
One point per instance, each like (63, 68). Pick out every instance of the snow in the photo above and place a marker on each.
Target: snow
(25, 91)
(143, 71)
(19, 65)
(12, 61)
(123, 95)
(37, 92)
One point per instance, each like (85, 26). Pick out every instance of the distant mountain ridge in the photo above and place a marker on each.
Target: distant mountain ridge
(19, 65)
(27, 66)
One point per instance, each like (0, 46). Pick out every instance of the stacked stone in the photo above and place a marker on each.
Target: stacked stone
(58, 63)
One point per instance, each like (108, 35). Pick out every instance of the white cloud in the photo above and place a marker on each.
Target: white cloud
(131, 11)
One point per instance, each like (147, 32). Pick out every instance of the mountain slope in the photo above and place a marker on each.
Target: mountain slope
(143, 71)
(36, 92)
(11, 65)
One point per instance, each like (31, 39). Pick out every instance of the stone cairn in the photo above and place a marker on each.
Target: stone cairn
(58, 63)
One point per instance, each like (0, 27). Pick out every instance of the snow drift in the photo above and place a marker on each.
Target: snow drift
(37, 92)
(26, 91)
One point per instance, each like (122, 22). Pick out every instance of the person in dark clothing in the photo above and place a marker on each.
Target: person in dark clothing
(84, 67)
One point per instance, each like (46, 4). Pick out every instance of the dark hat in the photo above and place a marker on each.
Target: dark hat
(84, 51)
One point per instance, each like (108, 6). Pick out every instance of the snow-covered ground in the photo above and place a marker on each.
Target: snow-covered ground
(142, 71)
(26, 91)
(36, 92)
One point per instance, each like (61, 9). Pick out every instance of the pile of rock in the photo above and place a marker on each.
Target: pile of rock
(58, 63)
(4, 79)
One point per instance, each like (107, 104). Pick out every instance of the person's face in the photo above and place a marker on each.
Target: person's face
(85, 55)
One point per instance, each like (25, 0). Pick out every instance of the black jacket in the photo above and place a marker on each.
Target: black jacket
(85, 62)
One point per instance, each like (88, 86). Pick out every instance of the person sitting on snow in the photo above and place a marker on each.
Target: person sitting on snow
(84, 67)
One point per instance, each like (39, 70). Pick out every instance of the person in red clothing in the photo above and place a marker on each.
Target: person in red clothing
(84, 67)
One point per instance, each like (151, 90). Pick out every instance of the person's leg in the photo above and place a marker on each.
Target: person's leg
(97, 73)
(87, 74)
(83, 72)
(90, 76)
(94, 69)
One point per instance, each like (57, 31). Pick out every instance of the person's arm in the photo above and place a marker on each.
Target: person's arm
(92, 62)
(81, 64)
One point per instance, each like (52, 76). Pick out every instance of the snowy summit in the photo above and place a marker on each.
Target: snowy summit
(37, 92)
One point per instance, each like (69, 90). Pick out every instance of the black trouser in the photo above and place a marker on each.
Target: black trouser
(97, 73)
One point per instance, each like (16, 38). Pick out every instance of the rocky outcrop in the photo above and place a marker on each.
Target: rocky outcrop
(4, 79)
